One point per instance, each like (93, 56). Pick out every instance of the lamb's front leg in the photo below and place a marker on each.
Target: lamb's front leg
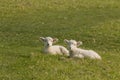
(76, 54)
(64, 51)
(79, 56)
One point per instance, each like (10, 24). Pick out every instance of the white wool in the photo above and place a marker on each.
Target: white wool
(80, 53)
(56, 49)
(53, 49)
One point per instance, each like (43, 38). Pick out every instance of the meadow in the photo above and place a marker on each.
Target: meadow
(94, 22)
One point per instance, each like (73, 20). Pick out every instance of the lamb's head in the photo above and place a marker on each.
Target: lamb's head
(72, 44)
(48, 41)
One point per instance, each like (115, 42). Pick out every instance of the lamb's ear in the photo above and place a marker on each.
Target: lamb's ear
(42, 38)
(79, 43)
(55, 40)
(66, 41)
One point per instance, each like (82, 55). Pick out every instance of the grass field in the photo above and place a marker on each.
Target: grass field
(95, 22)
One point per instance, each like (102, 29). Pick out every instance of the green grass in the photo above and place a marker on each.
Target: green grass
(95, 22)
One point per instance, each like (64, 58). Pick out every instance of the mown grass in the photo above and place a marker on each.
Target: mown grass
(22, 22)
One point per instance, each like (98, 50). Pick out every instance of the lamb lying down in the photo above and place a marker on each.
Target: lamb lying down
(78, 52)
(53, 49)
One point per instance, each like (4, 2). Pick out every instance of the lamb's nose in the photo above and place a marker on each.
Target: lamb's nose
(47, 44)
(70, 48)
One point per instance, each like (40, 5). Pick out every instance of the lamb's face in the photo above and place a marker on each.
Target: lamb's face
(72, 43)
(48, 41)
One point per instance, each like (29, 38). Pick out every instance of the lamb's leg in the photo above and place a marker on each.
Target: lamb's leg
(64, 51)
(79, 56)
(94, 55)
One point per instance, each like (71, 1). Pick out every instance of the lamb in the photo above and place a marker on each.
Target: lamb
(53, 49)
(80, 53)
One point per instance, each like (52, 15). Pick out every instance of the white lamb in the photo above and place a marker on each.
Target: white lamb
(78, 52)
(53, 49)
